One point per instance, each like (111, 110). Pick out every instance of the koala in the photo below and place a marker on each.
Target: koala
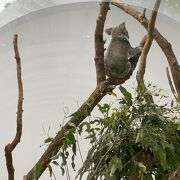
(117, 56)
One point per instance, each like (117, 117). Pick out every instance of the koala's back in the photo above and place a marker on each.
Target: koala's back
(116, 58)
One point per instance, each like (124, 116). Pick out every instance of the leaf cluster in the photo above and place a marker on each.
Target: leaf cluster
(134, 136)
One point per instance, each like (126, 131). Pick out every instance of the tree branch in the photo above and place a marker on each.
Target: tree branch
(100, 91)
(175, 175)
(163, 43)
(171, 84)
(54, 147)
(10, 147)
(150, 36)
(99, 43)
(103, 87)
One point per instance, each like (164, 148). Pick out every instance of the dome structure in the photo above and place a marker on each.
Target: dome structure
(56, 44)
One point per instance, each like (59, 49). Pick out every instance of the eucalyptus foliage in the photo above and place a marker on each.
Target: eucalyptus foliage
(132, 135)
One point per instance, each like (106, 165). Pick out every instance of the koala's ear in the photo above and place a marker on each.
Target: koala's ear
(108, 31)
(122, 25)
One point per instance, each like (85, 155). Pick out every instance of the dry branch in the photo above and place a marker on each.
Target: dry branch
(163, 43)
(147, 46)
(10, 147)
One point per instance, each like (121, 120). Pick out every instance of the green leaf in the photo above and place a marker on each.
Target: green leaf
(66, 154)
(115, 164)
(55, 163)
(71, 124)
(80, 114)
(74, 148)
(64, 161)
(138, 137)
(127, 95)
(48, 140)
(172, 103)
(104, 108)
(62, 170)
(50, 170)
(142, 167)
(72, 163)
(80, 127)
(160, 155)
(69, 137)
(112, 93)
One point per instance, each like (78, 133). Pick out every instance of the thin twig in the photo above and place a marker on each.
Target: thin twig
(100, 161)
(144, 13)
(171, 84)
(10, 147)
(77, 139)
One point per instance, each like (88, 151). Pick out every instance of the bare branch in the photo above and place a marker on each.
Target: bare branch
(99, 43)
(10, 147)
(143, 58)
(163, 43)
(171, 84)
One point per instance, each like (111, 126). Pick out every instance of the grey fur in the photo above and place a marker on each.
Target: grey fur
(119, 51)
